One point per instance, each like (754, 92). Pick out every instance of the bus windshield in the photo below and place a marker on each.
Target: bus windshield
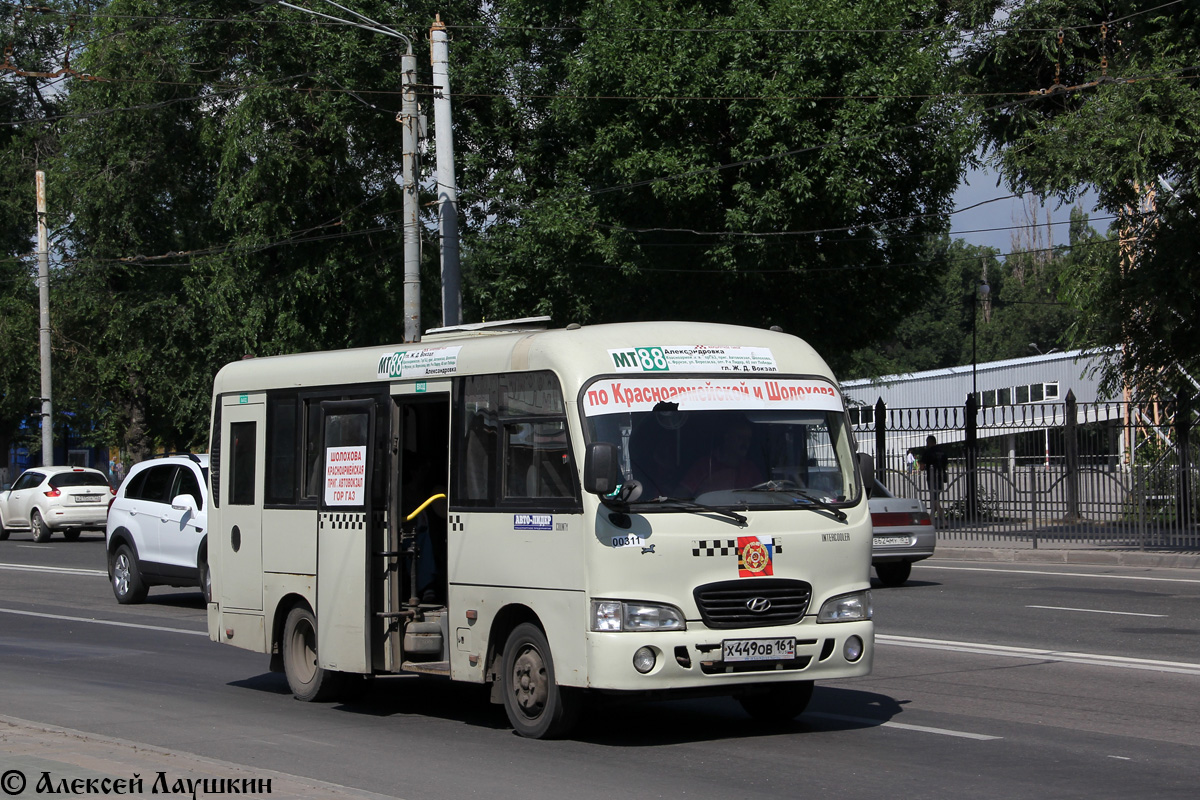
(750, 443)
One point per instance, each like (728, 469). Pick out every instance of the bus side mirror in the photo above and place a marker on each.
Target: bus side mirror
(600, 473)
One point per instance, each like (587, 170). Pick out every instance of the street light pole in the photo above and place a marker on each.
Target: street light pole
(44, 323)
(408, 120)
(981, 293)
(971, 440)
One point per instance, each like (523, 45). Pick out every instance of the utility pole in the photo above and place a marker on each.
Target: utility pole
(447, 187)
(412, 231)
(44, 326)
(408, 120)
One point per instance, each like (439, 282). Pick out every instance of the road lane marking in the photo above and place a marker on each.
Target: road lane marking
(63, 570)
(902, 726)
(1097, 611)
(927, 565)
(1039, 654)
(102, 622)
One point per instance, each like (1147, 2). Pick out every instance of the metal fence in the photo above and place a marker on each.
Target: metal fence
(1120, 474)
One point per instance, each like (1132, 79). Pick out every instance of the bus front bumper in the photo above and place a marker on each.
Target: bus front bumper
(696, 658)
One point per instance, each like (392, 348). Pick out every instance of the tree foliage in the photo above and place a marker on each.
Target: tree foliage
(759, 162)
(1119, 112)
(230, 183)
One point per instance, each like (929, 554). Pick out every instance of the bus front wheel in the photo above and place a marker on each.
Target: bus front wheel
(537, 706)
(308, 681)
(780, 702)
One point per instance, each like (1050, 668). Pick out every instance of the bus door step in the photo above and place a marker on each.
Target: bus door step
(427, 667)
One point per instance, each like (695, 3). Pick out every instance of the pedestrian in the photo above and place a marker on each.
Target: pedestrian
(933, 462)
(910, 461)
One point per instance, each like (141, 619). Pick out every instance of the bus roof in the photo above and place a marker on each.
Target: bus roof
(575, 353)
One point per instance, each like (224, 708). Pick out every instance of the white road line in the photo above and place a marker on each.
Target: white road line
(902, 726)
(102, 622)
(63, 570)
(1097, 611)
(1038, 654)
(1110, 576)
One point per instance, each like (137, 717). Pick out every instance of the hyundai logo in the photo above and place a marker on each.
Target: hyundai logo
(758, 605)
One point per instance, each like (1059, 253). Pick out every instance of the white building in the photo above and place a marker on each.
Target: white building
(1015, 396)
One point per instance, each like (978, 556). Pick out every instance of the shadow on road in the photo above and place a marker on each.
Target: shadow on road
(606, 720)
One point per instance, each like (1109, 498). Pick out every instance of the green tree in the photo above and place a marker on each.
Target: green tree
(759, 162)
(26, 143)
(1115, 106)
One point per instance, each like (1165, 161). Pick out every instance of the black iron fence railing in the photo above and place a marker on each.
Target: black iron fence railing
(1119, 474)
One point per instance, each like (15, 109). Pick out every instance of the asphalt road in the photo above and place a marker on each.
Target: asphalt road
(990, 680)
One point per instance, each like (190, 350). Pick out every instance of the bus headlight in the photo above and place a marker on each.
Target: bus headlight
(616, 615)
(846, 608)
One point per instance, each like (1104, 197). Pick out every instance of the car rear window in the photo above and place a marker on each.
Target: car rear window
(64, 479)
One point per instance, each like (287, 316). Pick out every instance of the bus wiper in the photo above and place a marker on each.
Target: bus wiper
(691, 505)
(796, 491)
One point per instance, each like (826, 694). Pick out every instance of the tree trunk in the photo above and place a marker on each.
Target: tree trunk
(138, 444)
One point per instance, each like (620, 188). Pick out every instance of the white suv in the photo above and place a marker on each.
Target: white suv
(158, 528)
(47, 499)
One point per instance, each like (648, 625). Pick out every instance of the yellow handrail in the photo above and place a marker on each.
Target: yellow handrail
(422, 507)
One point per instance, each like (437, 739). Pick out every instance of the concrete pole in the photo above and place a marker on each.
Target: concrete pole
(447, 188)
(44, 326)
(412, 241)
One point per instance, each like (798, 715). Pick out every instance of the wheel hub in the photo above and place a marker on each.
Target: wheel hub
(529, 677)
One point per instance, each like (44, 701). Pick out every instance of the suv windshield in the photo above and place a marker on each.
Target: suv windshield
(65, 479)
(743, 443)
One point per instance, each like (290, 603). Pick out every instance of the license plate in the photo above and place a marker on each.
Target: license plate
(87, 498)
(758, 649)
(887, 540)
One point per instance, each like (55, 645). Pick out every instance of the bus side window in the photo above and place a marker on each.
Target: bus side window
(479, 454)
(241, 463)
(536, 460)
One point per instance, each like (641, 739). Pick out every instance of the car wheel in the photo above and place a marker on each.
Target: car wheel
(41, 531)
(126, 579)
(205, 581)
(537, 706)
(72, 534)
(778, 703)
(308, 680)
(893, 573)
(3, 530)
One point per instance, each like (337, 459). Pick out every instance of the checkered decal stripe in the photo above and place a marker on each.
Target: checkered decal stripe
(709, 548)
(343, 522)
(455, 521)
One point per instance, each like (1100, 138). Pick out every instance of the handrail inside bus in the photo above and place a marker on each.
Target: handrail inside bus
(422, 507)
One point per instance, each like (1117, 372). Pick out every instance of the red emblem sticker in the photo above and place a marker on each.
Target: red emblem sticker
(754, 557)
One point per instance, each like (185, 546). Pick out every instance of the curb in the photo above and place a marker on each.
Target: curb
(1106, 558)
(68, 759)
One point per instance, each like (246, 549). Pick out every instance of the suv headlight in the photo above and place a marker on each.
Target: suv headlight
(617, 615)
(846, 608)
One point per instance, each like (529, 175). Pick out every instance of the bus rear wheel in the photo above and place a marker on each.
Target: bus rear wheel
(308, 680)
(537, 706)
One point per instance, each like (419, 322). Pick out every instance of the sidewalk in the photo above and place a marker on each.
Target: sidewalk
(38, 760)
(1065, 553)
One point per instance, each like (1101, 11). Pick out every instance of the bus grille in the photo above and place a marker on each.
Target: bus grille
(731, 604)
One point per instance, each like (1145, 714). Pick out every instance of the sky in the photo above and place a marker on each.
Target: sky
(991, 224)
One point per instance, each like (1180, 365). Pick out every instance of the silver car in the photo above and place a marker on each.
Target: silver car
(47, 499)
(903, 533)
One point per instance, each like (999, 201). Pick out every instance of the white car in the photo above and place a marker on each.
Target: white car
(902, 534)
(158, 528)
(48, 499)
